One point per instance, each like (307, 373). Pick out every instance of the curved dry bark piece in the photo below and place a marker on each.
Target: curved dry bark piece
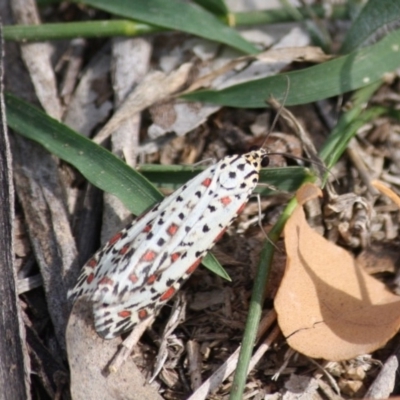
(39, 192)
(327, 306)
(88, 355)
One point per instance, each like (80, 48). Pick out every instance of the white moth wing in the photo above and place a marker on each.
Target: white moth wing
(103, 263)
(152, 258)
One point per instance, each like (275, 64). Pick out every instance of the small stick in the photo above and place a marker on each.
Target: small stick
(126, 347)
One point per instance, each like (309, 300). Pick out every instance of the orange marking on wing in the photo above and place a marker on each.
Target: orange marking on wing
(105, 280)
(175, 256)
(90, 278)
(142, 314)
(124, 249)
(92, 263)
(133, 278)
(193, 266)
(147, 228)
(115, 239)
(150, 255)
(172, 229)
(225, 200)
(168, 294)
(151, 279)
(124, 314)
(206, 182)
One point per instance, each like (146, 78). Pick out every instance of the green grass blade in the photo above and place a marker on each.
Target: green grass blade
(287, 179)
(217, 7)
(375, 16)
(176, 15)
(171, 177)
(270, 16)
(332, 78)
(214, 266)
(97, 164)
(346, 127)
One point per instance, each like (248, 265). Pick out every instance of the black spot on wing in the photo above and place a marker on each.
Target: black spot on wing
(206, 228)
(103, 333)
(153, 300)
(115, 289)
(146, 270)
(123, 324)
(123, 292)
(163, 258)
(123, 265)
(128, 254)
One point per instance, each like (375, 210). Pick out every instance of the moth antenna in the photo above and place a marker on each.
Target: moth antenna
(278, 114)
(260, 222)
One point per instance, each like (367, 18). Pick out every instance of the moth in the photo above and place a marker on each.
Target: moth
(144, 265)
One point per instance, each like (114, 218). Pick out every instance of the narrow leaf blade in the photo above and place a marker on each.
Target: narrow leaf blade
(376, 15)
(356, 70)
(176, 15)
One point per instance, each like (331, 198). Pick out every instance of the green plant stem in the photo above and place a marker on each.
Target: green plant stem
(334, 147)
(358, 103)
(120, 27)
(256, 304)
(71, 30)
(351, 129)
(348, 125)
